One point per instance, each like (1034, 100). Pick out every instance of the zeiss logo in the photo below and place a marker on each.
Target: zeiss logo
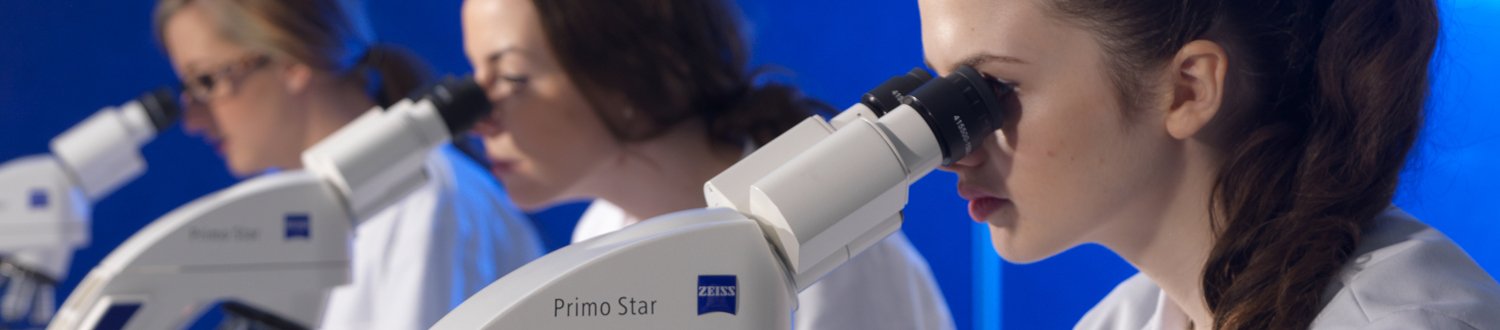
(38, 199)
(298, 226)
(718, 293)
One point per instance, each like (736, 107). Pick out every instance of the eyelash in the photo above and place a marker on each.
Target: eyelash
(516, 79)
(494, 60)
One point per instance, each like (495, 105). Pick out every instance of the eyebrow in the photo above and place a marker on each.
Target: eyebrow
(978, 59)
(494, 56)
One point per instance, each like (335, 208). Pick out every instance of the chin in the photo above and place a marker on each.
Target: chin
(1018, 251)
(242, 170)
(528, 205)
(527, 197)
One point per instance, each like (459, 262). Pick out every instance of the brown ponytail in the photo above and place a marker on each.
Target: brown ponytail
(645, 66)
(762, 114)
(1325, 98)
(398, 73)
(1358, 83)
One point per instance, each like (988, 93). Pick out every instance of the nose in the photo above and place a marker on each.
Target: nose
(972, 160)
(497, 92)
(195, 117)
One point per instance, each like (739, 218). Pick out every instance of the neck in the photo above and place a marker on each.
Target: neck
(1172, 247)
(330, 108)
(666, 174)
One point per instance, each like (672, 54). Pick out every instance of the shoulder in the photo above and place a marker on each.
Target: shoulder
(1408, 275)
(600, 218)
(887, 286)
(452, 172)
(891, 263)
(460, 204)
(460, 187)
(1129, 306)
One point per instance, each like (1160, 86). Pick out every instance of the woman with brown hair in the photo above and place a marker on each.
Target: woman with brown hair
(1241, 154)
(266, 79)
(636, 103)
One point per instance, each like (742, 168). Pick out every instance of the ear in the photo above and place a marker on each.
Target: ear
(1197, 80)
(297, 77)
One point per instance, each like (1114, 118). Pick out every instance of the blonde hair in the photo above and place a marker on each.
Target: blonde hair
(327, 35)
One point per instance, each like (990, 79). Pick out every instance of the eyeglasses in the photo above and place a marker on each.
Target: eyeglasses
(205, 87)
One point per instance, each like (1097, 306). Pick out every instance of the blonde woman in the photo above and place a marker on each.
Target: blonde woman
(266, 79)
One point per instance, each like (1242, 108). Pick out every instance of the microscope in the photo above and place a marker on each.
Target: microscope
(273, 247)
(776, 222)
(45, 200)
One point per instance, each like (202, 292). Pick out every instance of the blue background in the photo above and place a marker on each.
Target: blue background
(62, 60)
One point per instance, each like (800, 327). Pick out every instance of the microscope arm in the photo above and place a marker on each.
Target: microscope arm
(275, 242)
(278, 242)
(45, 200)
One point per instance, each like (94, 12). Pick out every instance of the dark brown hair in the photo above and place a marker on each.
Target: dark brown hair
(323, 34)
(1323, 100)
(647, 65)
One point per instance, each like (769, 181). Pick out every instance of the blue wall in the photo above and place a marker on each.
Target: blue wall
(62, 60)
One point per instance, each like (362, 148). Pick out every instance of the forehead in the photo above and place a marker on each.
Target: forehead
(191, 37)
(953, 30)
(493, 24)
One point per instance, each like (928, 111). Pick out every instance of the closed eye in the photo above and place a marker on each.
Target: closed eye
(516, 79)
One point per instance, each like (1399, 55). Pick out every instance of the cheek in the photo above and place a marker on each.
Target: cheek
(260, 128)
(239, 138)
(557, 143)
(1061, 169)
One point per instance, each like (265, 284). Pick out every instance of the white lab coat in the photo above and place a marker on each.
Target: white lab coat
(1405, 275)
(420, 258)
(888, 286)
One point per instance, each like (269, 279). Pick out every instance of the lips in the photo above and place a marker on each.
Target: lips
(982, 203)
(502, 167)
(981, 209)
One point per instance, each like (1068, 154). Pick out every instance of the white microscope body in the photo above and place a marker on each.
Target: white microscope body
(276, 243)
(45, 200)
(777, 221)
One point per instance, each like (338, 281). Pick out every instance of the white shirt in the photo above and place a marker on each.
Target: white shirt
(420, 258)
(888, 286)
(1405, 275)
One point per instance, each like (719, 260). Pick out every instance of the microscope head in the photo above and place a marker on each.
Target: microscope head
(844, 191)
(887, 96)
(161, 106)
(962, 109)
(460, 101)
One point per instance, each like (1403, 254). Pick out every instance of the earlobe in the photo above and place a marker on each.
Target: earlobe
(1198, 72)
(297, 77)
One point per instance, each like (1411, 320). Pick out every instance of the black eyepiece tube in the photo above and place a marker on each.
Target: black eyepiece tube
(962, 109)
(161, 106)
(461, 103)
(887, 96)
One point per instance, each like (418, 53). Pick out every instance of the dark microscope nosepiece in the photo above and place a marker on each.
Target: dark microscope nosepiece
(887, 96)
(962, 109)
(461, 103)
(161, 106)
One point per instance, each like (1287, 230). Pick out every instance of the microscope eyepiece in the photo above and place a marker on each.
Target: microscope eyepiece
(460, 101)
(887, 96)
(161, 106)
(962, 108)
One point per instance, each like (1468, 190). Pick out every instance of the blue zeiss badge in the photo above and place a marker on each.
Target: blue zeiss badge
(718, 293)
(298, 226)
(38, 199)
